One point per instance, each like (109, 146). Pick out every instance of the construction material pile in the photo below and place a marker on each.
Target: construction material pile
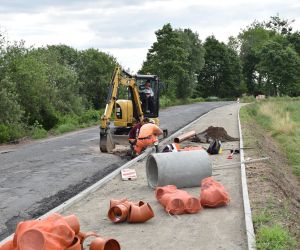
(217, 133)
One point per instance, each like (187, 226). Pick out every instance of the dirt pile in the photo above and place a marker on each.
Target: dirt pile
(211, 132)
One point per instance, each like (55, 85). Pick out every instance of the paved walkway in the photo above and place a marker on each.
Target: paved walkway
(220, 228)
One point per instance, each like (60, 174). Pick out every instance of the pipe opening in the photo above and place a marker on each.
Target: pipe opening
(111, 244)
(152, 172)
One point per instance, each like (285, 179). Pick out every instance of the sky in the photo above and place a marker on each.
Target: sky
(125, 28)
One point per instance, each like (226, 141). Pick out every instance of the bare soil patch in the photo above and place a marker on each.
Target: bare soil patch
(273, 189)
(218, 133)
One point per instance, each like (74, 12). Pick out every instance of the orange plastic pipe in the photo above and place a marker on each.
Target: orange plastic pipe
(104, 244)
(140, 213)
(184, 136)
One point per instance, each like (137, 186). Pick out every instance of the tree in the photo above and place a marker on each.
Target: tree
(10, 109)
(294, 40)
(221, 75)
(176, 57)
(279, 66)
(167, 58)
(251, 40)
(94, 70)
(279, 25)
(187, 81)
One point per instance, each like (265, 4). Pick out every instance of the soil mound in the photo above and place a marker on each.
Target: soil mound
(211, 132)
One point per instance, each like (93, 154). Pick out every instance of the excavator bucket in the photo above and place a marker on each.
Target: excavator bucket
(107, 143)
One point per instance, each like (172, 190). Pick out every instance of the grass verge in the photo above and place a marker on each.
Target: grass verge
(280, 117)
(272, 127)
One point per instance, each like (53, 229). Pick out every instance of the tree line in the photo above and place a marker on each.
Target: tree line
(41, 86)
(263, 59)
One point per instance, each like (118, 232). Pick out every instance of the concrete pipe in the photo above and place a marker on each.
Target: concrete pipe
(182, 169)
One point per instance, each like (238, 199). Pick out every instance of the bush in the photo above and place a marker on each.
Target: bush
(89, 116)
(12, 132)
(66, 127)
(165, 101)
(38, 132)
(212, 99)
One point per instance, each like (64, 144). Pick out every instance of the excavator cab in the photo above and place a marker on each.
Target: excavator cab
(140, 99)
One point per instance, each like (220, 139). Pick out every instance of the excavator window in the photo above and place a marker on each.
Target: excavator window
(148, 90)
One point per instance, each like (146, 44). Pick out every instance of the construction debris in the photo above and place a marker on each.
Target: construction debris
(128, 174)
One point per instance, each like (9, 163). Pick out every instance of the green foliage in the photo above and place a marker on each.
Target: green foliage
(94, 69)
(261, 219)
(248, 99)
(221, 75)
(37, 131)
(176, 57)
(270, 57)
(12, 132)
(274, 238)
(10, 110)
(279, 66)
(167, 102)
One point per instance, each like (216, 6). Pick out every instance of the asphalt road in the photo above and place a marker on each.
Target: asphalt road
(38, 176)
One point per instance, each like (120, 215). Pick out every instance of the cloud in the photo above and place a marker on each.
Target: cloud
(125, 28)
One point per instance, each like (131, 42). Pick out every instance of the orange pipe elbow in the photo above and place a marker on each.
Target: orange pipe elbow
(140, 213)
(104, 244)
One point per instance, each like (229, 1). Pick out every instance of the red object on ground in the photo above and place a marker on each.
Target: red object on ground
(213, 193)
(177, 201)
(55, 232)
(121, 210)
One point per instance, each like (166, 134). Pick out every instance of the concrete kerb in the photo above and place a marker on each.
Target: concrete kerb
(110, 176)
(247, 208)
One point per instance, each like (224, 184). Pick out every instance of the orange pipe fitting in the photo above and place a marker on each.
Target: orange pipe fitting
(76, 244)
(213, 193)
(7, 245)
(177, 201)
(118, 213)
(114, 202)
(160, 191)
(104, 244)
(73, 222)
(140, 213)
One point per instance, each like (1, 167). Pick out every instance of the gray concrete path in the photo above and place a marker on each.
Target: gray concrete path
(38, 176)
(220, 228)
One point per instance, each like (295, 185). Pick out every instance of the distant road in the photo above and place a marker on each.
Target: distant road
(38, 176)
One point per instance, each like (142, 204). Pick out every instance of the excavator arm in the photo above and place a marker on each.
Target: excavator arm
(120, 77)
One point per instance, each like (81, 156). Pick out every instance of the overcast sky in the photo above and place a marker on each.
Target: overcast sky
(125, 28)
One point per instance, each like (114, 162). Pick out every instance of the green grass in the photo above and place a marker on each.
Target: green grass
(281, 118)
(261, 219)
(72, 122)
(38, 132)
(274, 238)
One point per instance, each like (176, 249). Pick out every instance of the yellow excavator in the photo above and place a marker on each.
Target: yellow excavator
(127, 111)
